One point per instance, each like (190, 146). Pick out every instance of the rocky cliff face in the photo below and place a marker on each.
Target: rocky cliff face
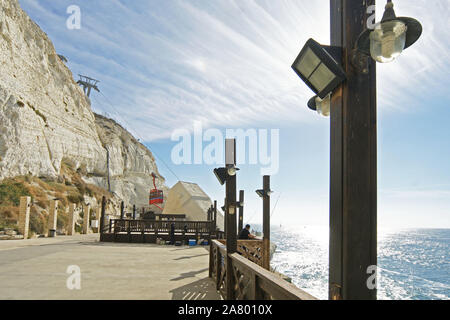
(130, 164)
(45, 117)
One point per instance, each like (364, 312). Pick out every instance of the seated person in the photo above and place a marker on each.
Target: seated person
(245, 234)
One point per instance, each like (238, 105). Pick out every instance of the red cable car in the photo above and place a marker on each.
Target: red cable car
(156, 196)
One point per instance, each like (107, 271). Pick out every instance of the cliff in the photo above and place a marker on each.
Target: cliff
(46, 120)
(130, 164)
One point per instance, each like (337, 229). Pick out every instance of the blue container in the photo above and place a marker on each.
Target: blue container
(192, 242)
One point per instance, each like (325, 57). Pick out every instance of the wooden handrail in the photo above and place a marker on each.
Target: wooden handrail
(251, 281)
(253, 250)
(271, 282)
(160, 228)
(126, 225)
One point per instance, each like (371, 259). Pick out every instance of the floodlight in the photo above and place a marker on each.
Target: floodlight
(263, 193)
(318, 69)
(221, 175)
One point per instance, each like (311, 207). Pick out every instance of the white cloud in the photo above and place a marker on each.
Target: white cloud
(165, 65)
(226, 62)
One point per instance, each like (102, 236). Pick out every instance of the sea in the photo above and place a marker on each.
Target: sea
(413, 264)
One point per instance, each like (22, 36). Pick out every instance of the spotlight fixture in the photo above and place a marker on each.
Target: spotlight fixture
(221, 175)
(263, 193)
(317, 67)
(390, 37)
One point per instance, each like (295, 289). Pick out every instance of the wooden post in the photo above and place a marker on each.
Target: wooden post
(353, 179)
(122, 210)
(211, 258)
(231, 233)
(98, 213)
(266, 223)
(24, 216)
(225, 222)
(241, 211)
(102, 217)
(219, 268)
(215, 215)
(211, 222)
(52, 218)
(71, 222)
(230, 216)
(134, 212)
(86, 214)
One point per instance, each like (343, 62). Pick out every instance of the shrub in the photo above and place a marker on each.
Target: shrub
(62, 220)
(81, 187)
(57, 187)
(10, 193)
(36, 223)
(75, 198)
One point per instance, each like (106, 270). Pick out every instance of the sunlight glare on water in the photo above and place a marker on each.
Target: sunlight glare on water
(413, 264)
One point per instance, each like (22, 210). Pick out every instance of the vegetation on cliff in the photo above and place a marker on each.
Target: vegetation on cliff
(69, 187)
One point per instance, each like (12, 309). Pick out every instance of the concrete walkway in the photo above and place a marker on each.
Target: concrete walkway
(37, 269)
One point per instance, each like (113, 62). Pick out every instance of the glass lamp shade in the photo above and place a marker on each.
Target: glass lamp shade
(232, 171)
(388, 40)
(323, 106)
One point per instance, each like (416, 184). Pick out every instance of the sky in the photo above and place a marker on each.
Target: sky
(171, 65)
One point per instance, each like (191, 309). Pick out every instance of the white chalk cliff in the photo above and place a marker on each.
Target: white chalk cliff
(45, 117)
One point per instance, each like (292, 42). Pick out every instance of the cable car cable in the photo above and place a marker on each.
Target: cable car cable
(138, 136)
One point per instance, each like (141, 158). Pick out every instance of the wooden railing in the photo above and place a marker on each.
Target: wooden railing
(253, 250)
(159, 226)
(251, 282)
(125, 230)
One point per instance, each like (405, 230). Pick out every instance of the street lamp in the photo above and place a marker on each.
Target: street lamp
(353, 130)
(390, 37)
